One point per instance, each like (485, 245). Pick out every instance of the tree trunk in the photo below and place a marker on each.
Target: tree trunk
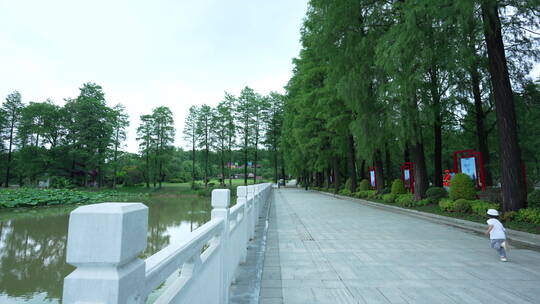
(222, 166)
(352, 163)
(420, 172)
(245, 165)
(275, 165)
(255, 161)
(513, 186)
(481, 133)
(147, 170)
(337, 177)
(193, 163)
(363, 169)
(388, 163)
(8, 167)
(115, 168)
(406, 153)
(379, 174)
(437, 128)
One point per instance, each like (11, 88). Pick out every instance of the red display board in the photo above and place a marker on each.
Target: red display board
(407, 176)
(372, 177)
(470, 162)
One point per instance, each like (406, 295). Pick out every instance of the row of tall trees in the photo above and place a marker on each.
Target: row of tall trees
(248, 122)
(156, 138)
(381, 82)
(80, 141)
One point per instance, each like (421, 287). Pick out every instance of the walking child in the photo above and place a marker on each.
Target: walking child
(497, 233)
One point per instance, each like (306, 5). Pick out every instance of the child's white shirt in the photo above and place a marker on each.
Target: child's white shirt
(498, 231)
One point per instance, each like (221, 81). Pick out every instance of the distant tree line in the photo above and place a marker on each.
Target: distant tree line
(249, 124)
(80, 143)
(379, 83)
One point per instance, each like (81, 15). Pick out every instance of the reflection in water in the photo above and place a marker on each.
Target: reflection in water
(33, 244)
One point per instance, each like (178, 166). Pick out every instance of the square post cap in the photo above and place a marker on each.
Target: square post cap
(221, 198)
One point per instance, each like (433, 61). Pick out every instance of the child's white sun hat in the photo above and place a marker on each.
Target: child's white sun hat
(493, 212)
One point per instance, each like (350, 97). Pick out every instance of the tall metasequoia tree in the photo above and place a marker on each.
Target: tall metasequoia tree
(204, 129)
(190, 135)
(120, 123)
(513, 188)
(12, 108)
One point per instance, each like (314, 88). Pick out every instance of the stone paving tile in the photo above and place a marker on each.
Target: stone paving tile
(326, 250)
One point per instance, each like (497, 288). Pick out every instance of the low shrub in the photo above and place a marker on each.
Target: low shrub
(176, 180)
(365, 194)
(398, 187)
(385, 190)
(446, 204)
(364, 185)
(348, 184)
(480, 207)
(405, 200)
(533, 199)
(204, 192)
(389, 198)
(61, 182)
(462, 205)
(508, 216)
(462, 186)
(371, 194)
(423, 202)
(529, 215)
(435, 194)
(491, 194)
(345, 192)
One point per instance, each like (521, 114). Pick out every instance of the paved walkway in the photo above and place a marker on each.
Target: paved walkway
(326, 250)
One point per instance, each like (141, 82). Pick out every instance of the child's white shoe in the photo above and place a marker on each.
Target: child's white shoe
(503, 259)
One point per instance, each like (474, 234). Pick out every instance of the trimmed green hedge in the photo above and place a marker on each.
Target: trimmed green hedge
(461, 187)
(364, 185)
(405, 200)
(435, 194)
(533, 199)
(389, 198)
(398, 187)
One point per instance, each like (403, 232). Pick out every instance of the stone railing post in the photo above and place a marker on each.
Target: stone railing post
(253, 215)
(104, 242)
(221, 199)
(241, 198)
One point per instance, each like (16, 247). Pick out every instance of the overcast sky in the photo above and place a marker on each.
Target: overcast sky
(147, 54)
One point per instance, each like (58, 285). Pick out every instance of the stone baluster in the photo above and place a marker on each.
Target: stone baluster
(221, 199)
(104, 242)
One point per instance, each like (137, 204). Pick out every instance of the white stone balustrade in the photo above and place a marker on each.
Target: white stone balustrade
(105, 240)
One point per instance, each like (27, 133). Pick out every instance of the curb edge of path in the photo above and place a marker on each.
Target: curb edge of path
(520, 237)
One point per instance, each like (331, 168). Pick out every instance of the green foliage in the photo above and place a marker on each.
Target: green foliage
(529, 215)
(345, 192)
(462, 205)
(348, 184)
(398, 187)
(361, 194)
(446, 204)
(204, 192)
(371, 194)
(60, 182)
(533, 199)
(364, 185)
(508, 216)
(462, 187)
(30, 197)
(405, 200)
(423, 202)
(480, 207)
(389, 198)
(435, 194)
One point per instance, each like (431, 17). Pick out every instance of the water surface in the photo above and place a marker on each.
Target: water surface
(33, 243)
